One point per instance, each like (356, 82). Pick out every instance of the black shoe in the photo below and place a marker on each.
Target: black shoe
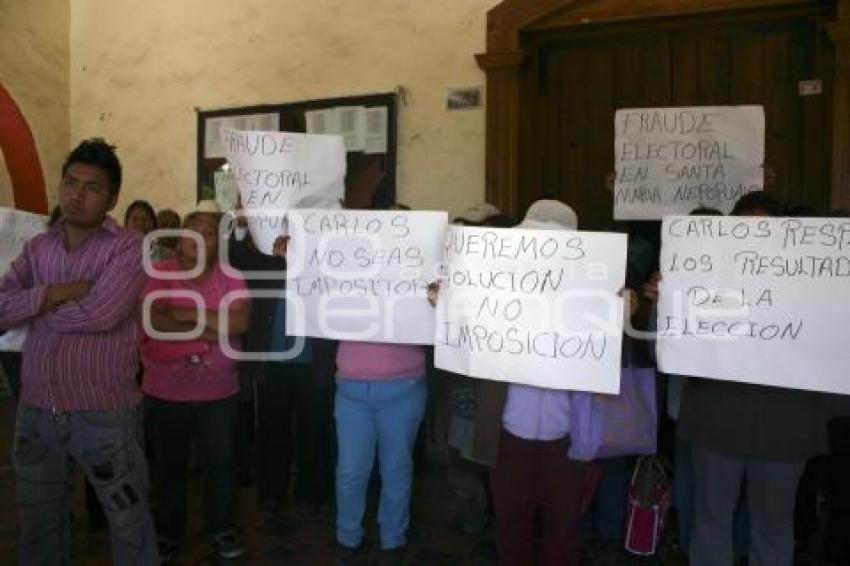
(97, 520)
(392, 556)
(347, 556)
(167, 548)
(228, 546)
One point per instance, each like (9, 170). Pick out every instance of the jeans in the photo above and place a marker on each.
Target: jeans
(108, 446)
(383, 415)
(211, 424)
(771, 489)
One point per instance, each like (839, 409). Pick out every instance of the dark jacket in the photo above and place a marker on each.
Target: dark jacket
(490, 397)
(754, 421)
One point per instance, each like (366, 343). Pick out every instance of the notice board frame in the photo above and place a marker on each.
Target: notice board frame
(370, 180)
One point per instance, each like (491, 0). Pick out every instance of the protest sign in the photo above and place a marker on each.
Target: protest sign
(538, 307)
(756, 300)
(16, 227)
(363, 275)
(278, 171)
(673, 160)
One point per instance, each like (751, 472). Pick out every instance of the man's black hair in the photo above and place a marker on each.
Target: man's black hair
(757, 201)
(97, 152)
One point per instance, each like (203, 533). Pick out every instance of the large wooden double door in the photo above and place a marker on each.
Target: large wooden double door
(572, 82)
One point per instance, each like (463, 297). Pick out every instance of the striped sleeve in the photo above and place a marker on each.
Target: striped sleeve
(20, 298)
(113, 296)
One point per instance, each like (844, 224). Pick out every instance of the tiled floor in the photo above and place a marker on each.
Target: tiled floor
(290, 537)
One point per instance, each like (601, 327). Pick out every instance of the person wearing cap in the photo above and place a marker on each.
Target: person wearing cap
(522, 432)
(191, 382)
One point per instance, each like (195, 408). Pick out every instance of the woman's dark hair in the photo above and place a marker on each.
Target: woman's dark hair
(757, 201)
(705, 211)
(144, 205)
(97, 152)
(499, 221)
(802, 211)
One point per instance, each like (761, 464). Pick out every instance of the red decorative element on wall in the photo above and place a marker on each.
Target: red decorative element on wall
(21, 157)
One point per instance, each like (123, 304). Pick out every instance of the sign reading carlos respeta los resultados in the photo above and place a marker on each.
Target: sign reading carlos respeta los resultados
(363, 274)
(756, 300)
(278, 171)
(673, 160)
(537, 307)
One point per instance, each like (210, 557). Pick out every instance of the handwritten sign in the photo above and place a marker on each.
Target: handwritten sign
(756, 300)
(278, 171)
(16, 227)
(363, 275)
(673, 160)
(538, 307)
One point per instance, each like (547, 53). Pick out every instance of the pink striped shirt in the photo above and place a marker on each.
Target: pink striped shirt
(82, 355)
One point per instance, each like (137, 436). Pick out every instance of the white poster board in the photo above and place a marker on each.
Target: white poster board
(363, 275)
(756, 300)
(673, 160)
(213, 148)
(16, 227)
(539, 307)
(278, 171)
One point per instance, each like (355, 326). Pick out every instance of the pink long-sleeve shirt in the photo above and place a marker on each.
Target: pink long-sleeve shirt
(82, 355)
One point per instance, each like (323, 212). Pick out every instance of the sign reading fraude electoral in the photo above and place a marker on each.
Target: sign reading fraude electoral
(539, 307)
(278, 171)
(673, 160)
(363, 275)
(757, 300)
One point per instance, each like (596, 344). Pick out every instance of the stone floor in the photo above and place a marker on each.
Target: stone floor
(296, 538)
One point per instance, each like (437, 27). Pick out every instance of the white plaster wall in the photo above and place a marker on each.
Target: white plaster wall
(139, 70)
(34, 68)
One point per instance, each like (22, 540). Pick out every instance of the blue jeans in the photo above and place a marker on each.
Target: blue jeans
(376, 414)
(107, 444)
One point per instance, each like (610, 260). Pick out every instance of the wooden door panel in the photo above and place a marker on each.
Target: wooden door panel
(570, 94)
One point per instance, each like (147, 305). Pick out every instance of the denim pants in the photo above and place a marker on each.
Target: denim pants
(211, 425)
(108, 447)
(383, 415)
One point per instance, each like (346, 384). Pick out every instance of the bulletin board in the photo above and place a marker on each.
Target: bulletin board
(367, 122)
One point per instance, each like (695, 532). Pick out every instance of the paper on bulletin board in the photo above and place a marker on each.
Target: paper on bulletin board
(267, 122)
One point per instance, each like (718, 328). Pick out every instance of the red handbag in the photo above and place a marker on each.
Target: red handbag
(648, 503)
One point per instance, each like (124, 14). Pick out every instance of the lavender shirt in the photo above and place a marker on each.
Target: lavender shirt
(82, 355)
(534, 413)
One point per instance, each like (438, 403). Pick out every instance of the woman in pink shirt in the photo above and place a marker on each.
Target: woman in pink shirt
(191, 383)
(380, 401)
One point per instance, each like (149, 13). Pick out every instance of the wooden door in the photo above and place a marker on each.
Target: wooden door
(574, 82)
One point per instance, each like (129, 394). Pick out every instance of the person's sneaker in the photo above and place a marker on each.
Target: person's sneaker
(228, 546)
(167, 548)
